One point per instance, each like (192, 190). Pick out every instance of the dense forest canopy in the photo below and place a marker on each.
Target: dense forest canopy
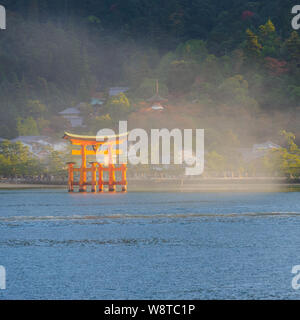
(228, 64)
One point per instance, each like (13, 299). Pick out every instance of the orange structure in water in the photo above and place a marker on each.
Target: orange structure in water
(90, 146)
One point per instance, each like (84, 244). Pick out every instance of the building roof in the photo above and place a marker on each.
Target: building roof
(95, 101)
(265, 145)
(37, 144)
(114, 91)
(258, 150)
(70, 111)
(157, 107)
(32, 139)
(71, 136)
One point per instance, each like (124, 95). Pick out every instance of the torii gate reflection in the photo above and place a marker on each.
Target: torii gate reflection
(90, 146)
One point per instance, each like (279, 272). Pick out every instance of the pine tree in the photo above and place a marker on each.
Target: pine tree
(269, 40)
(267, 29)
(253, 47)
(293, 46)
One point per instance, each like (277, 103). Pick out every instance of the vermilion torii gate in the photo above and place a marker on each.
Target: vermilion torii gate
(89, 145)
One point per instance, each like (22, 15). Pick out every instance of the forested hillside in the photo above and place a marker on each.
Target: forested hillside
(221, 58)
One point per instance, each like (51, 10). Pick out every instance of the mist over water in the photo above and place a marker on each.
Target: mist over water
(57, 245)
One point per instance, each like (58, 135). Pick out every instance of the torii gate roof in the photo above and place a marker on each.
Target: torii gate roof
(76, 138)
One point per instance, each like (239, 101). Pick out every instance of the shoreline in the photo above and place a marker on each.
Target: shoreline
(4, 186)
(177, 185)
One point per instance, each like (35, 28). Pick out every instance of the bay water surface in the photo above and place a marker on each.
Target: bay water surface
(216, 245)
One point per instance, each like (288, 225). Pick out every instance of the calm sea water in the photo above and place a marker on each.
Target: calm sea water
(56, 245)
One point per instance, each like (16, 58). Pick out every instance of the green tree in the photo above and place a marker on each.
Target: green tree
(252, 47)
(147, 88)
(96, 123)
(118, 106)
(35, 108)
(214, 162)
(27, 127)
(268, 38)
(86, 110)
(210, 70)
(16, 160)
(234, 90)
(56, 163)
(267, 29)
(193, 50)
(292, 45)
(181, 76)
(286, 160)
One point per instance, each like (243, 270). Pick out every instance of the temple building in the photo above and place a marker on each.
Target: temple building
(157, 102)
(73, 116)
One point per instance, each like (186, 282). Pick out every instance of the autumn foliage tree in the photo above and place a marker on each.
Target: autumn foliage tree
(252, 47)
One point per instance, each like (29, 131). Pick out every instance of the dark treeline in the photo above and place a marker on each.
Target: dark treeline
(230, 53)
(163, 23)
(231, 67)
